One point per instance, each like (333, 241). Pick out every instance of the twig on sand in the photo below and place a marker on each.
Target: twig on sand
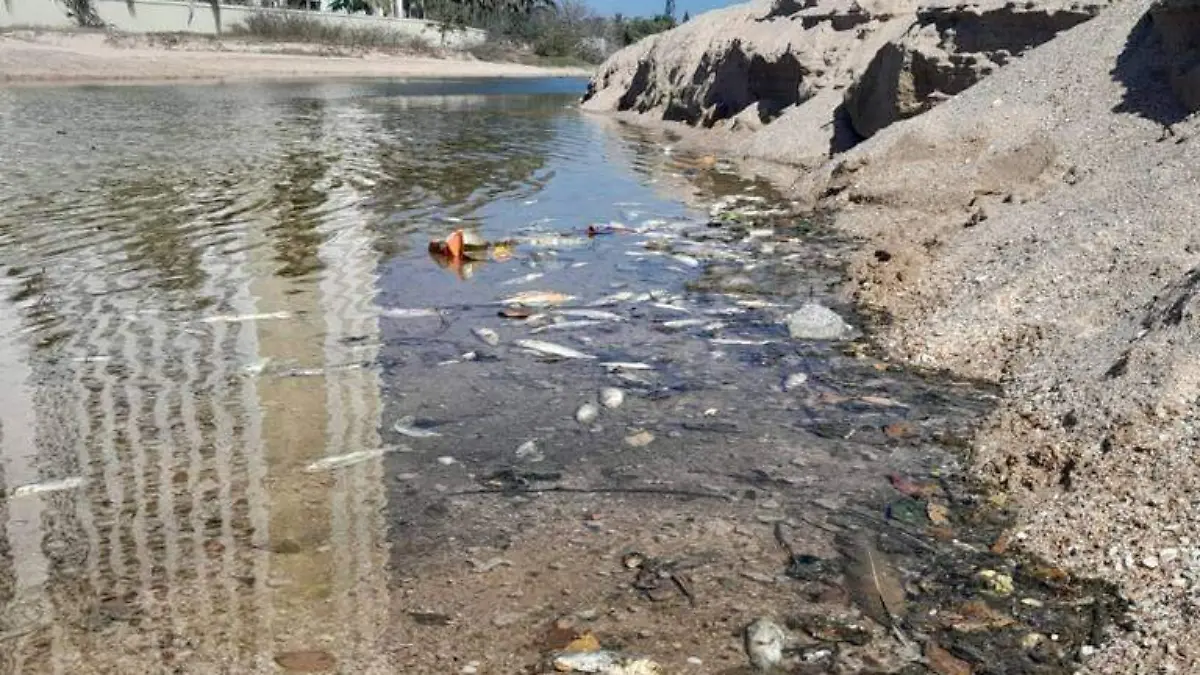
(594, 491)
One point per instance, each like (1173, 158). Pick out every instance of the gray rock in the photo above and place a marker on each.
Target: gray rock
(764, 642)
(817, 322)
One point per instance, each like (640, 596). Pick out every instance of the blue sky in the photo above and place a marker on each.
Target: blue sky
(651, 7)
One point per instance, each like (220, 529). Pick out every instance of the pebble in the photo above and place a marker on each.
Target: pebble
(587, 413)
(469, 669)
(794, 381)
(695, 661)
(446, 460)
(611, 397)
(486, 336)
(1150, 561)
(505, 619)
(640, 439)
(529, 451)
(1168, 554)
(817, 322)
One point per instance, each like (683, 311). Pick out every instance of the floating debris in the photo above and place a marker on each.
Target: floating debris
(538, 299)
(349, 459)
(611, 397)
(239, 318)
(411, 313)
(48, 486)
(487, 336)
(551, 349)
(405, 428)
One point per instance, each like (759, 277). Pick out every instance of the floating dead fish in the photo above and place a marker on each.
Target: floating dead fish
(627, 365)
(406, 313)
(91, 359)
(538, 298)
(758, 304)
(725, 311)
(349, 459)
(551, 349)
(49, 486)
(556, 241)
(744, 342)
(594, 314)
(671, 308)
(257, 367)
(532, 276)
(405, 428)
(686, 260)
(683, 323)
(486, 336)
(567, 325)
(238, 318)
(623, 296)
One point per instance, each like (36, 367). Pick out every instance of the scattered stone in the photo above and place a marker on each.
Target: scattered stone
(1168, 555)
(695, 661)
(817, 322)
(470, 669)
(587, 413)
(764, 642)
(446, 460)
(505, 619)
(1150, 561)
(640, 439)
(529, 452)
(794, 381)
(611, 397)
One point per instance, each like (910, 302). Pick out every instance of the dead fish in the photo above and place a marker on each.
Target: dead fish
(671, 308)
(725, 311)
(486, 336)
(538, 298)
(257, 367)
(567, 325)
(551, 349)
(758, 304)
(238, 318)
(405, 428)
(686, 260)
(683, 323)
(348, 459)
(623, 296)
(744, 342)
(627, 365)
(404, 313)
(48, 486)
(595, 314)
(556, 241)
(532, 276)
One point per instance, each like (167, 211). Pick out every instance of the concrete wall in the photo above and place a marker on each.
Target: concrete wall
(165, 16)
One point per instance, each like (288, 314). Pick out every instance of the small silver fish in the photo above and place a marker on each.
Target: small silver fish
(406, 313)
(627, 365)
(405, 428)
(686, 260)
(595, 314)
(532, 276)
(671, 308)
(740, 341)
(538, 299)
(567, 325)
(348, 459)
(552, 349)
(684, 323)
(238, 318)
(48, 486)
(623, 296)
(487, 336)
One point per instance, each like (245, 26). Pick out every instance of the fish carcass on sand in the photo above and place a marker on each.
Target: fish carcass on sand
(538, 299)
(551, 349)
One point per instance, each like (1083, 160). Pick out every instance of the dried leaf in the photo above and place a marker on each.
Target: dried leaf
(306, 661)
(938, 513)
(943, 662)
(873, 583)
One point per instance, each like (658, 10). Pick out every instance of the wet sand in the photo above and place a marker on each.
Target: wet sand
(47, 57)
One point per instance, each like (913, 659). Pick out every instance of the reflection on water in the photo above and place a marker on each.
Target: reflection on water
(191, 289)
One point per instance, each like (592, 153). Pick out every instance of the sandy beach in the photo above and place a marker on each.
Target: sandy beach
(45, 57)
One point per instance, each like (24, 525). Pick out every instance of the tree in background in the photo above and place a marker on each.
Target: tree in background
(669, 10)
(687, 16)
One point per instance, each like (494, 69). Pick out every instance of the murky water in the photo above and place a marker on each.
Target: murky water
(248, 422)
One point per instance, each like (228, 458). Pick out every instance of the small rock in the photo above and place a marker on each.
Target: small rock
(1032, 640)
(640, 439)
(486, 336)
(446, 460)
(794, 381)
(1086, 651)
(1150, 561)
(764, 641)
(587, 413)
(1168, 555)
(611, 397)
(817, 322)
(695, 661)
(469, 669)
(529, 451)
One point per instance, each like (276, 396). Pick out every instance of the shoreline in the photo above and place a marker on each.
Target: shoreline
(34, 58)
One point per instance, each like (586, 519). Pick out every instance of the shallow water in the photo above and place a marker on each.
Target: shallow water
(216, 310)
